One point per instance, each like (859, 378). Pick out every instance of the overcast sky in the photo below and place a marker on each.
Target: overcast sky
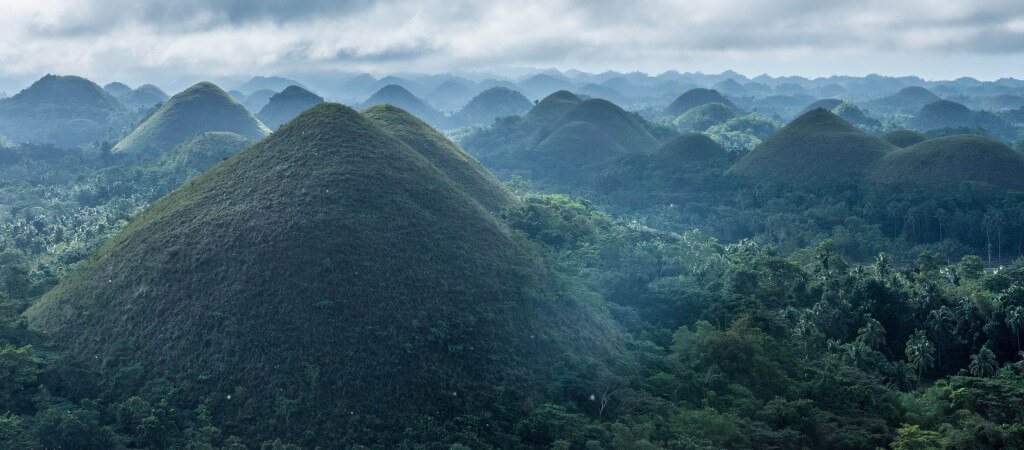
(137, 41)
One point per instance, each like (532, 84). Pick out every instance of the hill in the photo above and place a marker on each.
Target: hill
(551, 108)
(61, 110)
(694, 98)
(450, 95)
(257, 100)
(453, 161)
(688, 149)
(949, 161)
(947, 114)
(624, 128)
(907, 100)
(333, 270)
(854, 116)
(276, 84)
(903, 138)
(205, 150)
(490, 104)
(703, 117)
(396, 95)
(287, 105)
(144, 96)
(571, 147)
(117, 88)
(816, 147)
(200, 108)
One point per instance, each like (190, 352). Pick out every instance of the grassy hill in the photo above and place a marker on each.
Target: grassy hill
(255, 101)
(117, 88)
(854, 116)
(907, 100)
(61, 110)
(949, 161)
(287, 105)
(572, 146)
(205, 150)
(550, 109)
(703, 117)
(624, 128)
(816, 147)
(490, 104)
(903, 138)
(947, 114)
(394, 94)
(694, 98)
(200, 108)
(689, 148)
(143, 97)
(330, 286)
(461, 168)
(825, 103)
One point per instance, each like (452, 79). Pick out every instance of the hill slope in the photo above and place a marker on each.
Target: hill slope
(627, 130)
(332, 268)
(200, 108)
(61, 110)
(816, 147)
(694, 98)
(287, 105)
(463, 169)
(949, 161)
(490, 104)
(689, 148)
(903, 138)
(399, 96)
(144, 96)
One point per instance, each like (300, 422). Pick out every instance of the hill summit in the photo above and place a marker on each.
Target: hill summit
(200, 108)
(815, 147)
(287, 105)
(332, 269)
(399, 96)
(694, 98)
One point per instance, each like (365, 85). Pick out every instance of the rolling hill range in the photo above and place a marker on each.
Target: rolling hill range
(488, 105)
(948, 161)
(817, 147)
(399, 96)
(287, 105)
(200, 108)
(61, 110)
(334, 268)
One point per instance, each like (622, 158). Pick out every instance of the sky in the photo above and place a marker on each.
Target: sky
(151, 41)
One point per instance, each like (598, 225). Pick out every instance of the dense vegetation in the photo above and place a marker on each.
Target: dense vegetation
(359, 279)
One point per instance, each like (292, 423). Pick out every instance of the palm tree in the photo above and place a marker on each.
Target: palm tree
(1015, 320)
(872, 334)
(920, 353)
(984, 363)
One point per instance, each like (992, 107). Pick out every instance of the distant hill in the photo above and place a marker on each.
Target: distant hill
(276, 84)
(947, 114)
(396, 95)
(903, 138)
(907, 100)
(601, 91)
(61, 110)
(541, 85)
(450, 95)
(287, 105)
(816, 147)
(694, 98)
(1002, 102)
(200, 108)
(826, 104)
(949, 161)
(551, 108)
(144, 96)
(730, 86)
(117, 89)
(491, 104)
(463, 169)
(257, 100)
(854, 116)
(332, 267)
(703, 117)
(688, 149)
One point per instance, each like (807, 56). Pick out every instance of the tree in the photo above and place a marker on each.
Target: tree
(984, 363)
(1015, 320)
(872, 334)
(912, 437)
(920, 353)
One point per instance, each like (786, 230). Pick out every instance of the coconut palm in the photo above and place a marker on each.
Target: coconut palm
(920, 353)
(984, 363)
(1015, 320)
(872, 334)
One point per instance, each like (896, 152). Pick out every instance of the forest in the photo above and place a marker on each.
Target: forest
(570, 261)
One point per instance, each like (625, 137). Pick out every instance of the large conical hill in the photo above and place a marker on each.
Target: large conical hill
(62, 110)
(488, 105)
(332, 269)
(625, 129)
(399, 96)
(694, 98)
(287, 105)
(200, 108)
(551, 108)
(144, 96)
(815, 147)
(577, 144)
(949, 161)
(458, 165)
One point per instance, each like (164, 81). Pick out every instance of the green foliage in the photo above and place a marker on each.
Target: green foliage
(703, 117)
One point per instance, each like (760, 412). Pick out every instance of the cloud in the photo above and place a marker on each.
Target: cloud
(135, 40)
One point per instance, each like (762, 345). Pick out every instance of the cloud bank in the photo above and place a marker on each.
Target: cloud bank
(133, 40)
